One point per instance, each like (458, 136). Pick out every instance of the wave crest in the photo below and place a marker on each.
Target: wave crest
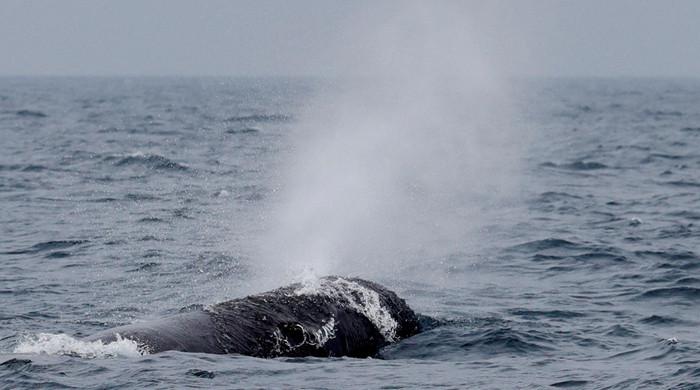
(149, 160)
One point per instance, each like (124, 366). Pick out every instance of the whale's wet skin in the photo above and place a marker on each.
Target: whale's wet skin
(335, 317)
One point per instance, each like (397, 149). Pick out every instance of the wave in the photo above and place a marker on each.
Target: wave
(619, 330)
(46, 246)
(663, 320)
(662, 113)
(548, 243)
(601, 255)
(537, 314)
(58, 255)
(201, 373)
(151, 220)
(243, 130)
(153, 161)
(576, 165)
(685, 292)
(506, 340)
(653, 157)
(24, 167)
(146, 129)
(553, 196)
(14, 364)
(688, 280)
(259, 118)
(677, 231)
(470, 338)
(687, 214)
(570, 383)
(136, 197)
(62, 344)
(666, 156)
(682, 183)
(669, 255)
(30, 114)
(148, 266)
(102, 200)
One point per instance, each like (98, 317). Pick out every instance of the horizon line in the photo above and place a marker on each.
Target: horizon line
(307, 76)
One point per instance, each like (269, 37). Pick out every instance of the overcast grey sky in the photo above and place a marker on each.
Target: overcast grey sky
(310, 37)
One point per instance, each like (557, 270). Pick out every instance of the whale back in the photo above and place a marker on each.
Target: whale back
(193, 331)
(335, 317)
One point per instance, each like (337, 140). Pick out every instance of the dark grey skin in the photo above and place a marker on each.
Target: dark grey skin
(279, 323)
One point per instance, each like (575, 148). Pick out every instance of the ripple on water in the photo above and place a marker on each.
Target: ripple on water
(681, 292)
(579, 165)
(152, 161)
(30, 114)
(661, 320)
(506, 341)
(259, 118)
(570, 384)
(24, 167)
(47, 246)
(201, 373)
(243, 130)
(533, 314)
(548, 243)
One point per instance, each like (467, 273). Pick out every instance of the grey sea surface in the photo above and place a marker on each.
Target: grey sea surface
(124, 199)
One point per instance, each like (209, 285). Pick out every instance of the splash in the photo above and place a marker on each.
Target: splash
(62, 344)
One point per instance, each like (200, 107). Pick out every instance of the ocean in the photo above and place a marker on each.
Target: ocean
(126, 199)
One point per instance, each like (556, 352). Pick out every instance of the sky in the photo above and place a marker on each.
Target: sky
(635, 38)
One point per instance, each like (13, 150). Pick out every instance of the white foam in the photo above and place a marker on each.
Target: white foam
(324, 333)
(364, 300)
(62, 344)
(316, 338)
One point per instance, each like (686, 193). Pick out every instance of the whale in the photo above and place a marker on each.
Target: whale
(330, 317)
